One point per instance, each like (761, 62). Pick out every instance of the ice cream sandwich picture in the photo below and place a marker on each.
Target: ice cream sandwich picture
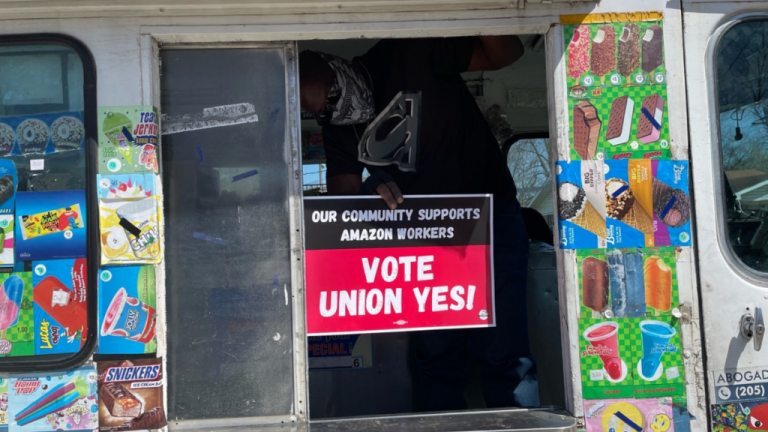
(671, 206)
(652, 48)
(604, 51)
(578, 52)
(629, 49)
(621, 205)
(620, 120)
(594, 283)
(651, 119)
(586, 129)
(573, 206)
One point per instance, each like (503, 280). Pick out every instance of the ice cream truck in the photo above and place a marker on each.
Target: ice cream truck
(173, 252)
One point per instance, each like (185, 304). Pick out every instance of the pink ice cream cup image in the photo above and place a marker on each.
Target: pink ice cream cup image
(11, 294)
(130, 318)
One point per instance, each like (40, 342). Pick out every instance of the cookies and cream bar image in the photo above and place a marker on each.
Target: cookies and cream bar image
(629, 49)
(620, 120)
(651, 119)
(586, 130)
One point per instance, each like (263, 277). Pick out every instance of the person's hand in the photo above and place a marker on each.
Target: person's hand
(381, 183)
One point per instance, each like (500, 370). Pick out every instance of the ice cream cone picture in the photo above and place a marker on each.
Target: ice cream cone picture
(658, 284)
(117, 127)
(671, 206)
(573, 206)
(622, 206)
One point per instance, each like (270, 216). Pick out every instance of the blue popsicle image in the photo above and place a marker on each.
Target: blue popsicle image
(635, 281)
(656, 335)
(618, 283)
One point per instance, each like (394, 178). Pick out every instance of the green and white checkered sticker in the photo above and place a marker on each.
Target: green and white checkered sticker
(21, 336)
(633, 148)
(596, 381)
(658, 358)
(579, 62)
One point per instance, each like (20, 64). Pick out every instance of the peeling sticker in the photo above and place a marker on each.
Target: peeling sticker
(219, 116)
(276, 337)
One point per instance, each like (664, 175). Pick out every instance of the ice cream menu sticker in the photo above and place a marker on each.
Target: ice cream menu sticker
(50, 225)
(60, 401)
(8, 185)
(654, 415)
(127, 316)
(17, 320)
(425, 265)
(128, 139)
(614, 54)
(60, 298)
(627, 283)
(620, 123)
(581, 204)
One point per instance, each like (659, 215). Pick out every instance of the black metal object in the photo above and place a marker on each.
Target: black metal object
(65, 361)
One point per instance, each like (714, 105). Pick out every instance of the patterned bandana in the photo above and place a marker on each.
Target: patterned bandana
(350, 100)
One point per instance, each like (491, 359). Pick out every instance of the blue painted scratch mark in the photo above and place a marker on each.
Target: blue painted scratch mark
(273, 115)
(275, 282)
(127, 134)
(200, 155)
(209, 238)
(244, 175)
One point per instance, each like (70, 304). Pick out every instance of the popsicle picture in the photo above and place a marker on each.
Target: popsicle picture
(11, 294)
(658, 284)
(633, 267)
(604, 338)
(578, 52)
(603, 52)
(629, 49)
(655, 337)
(594, 283)
(652, 48)
(61, 304)
(56, 399)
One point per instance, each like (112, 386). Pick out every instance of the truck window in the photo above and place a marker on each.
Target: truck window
(742, 96)
(47, 266)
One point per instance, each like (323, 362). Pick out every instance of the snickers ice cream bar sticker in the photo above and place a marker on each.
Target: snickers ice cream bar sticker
(131, 395)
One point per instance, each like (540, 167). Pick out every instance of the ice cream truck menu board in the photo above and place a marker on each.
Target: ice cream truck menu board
(617, 90)
(425, 265)
(623, 203)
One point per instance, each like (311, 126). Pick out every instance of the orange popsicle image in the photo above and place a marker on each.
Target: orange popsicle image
(658, 284)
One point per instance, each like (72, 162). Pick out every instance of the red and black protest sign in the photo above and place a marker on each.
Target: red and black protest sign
(425, 265)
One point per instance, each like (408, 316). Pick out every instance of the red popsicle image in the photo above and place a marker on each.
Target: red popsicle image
(67, 306)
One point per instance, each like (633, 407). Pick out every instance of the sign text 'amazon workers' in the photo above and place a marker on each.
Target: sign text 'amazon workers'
(425, 265)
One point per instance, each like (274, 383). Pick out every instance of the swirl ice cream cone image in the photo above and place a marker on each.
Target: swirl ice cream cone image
(622, 206)
(573, 206)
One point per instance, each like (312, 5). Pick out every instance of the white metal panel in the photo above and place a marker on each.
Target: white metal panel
(727, 287)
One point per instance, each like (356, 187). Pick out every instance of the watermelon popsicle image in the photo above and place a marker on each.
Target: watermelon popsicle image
(11, 294)
(130, 318)
(63, 304)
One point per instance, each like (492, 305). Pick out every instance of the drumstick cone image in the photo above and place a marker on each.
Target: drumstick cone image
(621, 205)
(573, 206)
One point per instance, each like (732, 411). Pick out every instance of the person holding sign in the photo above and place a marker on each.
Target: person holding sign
(403, 112)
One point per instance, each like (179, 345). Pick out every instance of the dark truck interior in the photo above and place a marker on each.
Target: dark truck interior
(514, 102)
